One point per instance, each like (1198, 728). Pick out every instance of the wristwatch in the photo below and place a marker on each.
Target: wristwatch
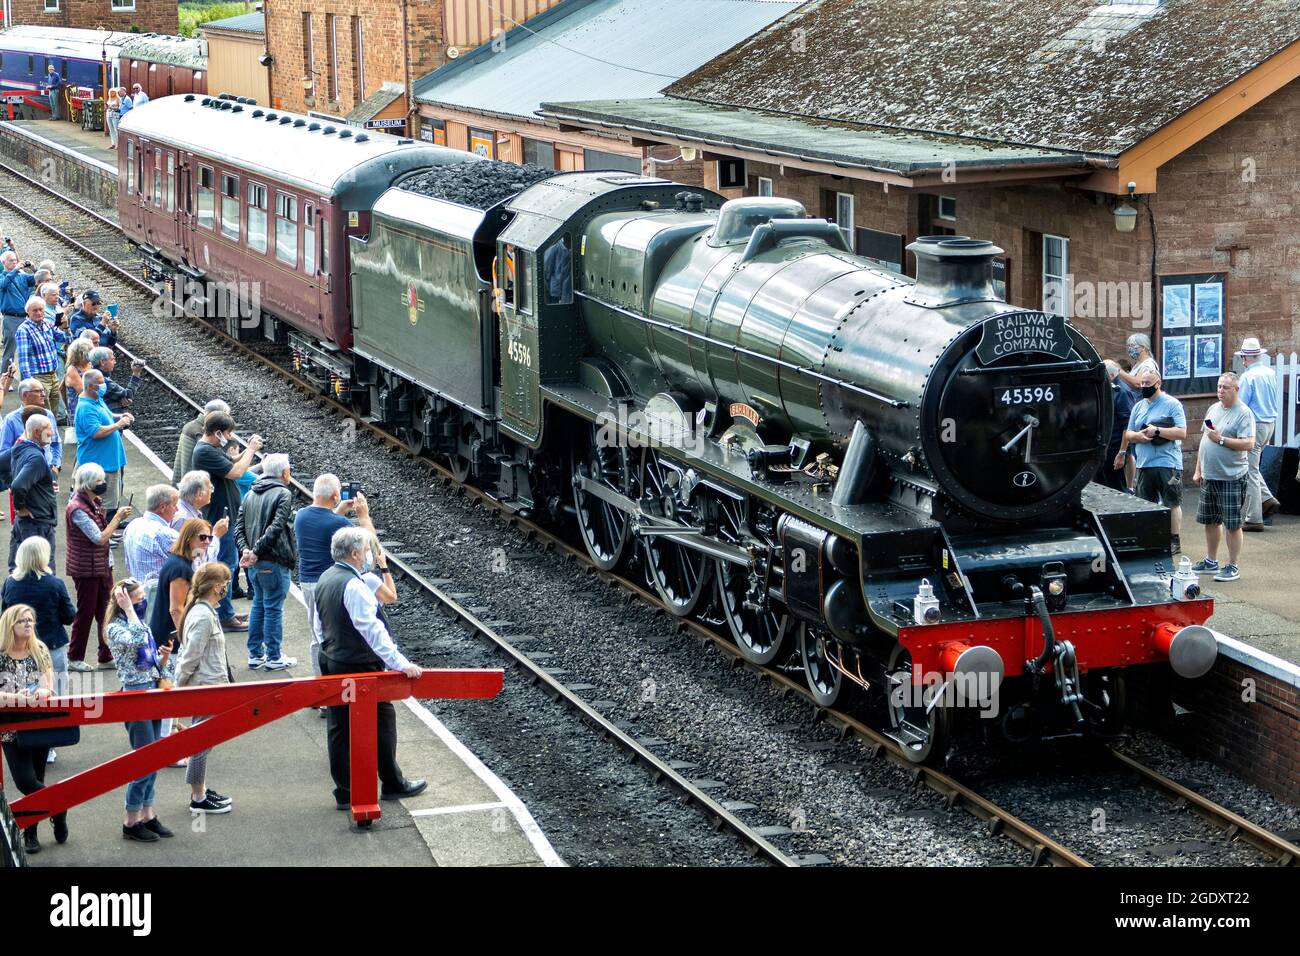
(1220, 439)
(381, 568)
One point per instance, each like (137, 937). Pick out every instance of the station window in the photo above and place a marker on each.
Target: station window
(51, 6)
(1056, 272)
(286, 229)
(207, 197)
(257, 217)
(122, 6)
(539, 153)
(844, 216)
(308, 238)
(157, 179)
(230, 206)
(764, 186)
(130, 166)
(171, 183)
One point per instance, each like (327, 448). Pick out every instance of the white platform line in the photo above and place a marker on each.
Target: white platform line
(506, 797)
(542, 846)
(463, 808)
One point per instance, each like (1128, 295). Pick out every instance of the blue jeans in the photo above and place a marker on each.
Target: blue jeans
(140, 793)
(266, 619)
(228, 555)
(59, 656)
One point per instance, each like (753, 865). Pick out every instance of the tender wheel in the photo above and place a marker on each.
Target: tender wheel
(458, 463)
(605, 529)
(924, 735)
(826, 682)
(761, 635)
(679, 574)
(413, 434)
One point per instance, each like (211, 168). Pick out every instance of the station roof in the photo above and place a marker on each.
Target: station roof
(176, 51)
(251, 23)
(1085, 75)
(378, 101)
(834, 143)
(254, 144)
(578, 48)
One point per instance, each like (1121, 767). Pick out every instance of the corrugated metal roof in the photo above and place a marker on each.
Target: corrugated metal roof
(584, 48)
(1068, 74)
(882, 150)
(374, 104)
(244, 23)
(176, 51)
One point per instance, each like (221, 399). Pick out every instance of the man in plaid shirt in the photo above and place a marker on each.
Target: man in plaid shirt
(38, 356)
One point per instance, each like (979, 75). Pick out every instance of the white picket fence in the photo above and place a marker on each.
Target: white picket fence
(1288, 373)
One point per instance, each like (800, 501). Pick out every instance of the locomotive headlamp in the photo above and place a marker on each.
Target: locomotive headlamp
(1053, 582)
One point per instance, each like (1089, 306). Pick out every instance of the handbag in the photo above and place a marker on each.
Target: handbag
(48, 737)
(1165, 422)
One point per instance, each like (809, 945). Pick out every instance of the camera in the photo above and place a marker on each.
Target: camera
(350, 490)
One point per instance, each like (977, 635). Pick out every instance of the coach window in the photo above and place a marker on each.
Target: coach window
(63, 69)
(171, 183)
(324, 245)
(230, 206)
(31, 66)
(286, 229)
(257, 217)
(157, 179)
(207, 197)
(130, 167)
(308, 238)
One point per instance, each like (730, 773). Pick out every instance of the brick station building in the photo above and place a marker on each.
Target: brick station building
(140, 16)
(1047, 126)
(331, 56)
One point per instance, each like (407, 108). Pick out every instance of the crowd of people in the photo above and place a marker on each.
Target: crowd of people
(1145, 456)
(166, 622)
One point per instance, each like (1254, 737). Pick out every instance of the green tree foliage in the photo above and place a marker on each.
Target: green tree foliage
(195, 13)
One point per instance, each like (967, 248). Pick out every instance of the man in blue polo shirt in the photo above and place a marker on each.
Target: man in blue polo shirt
(16, 287)
(1259, 393)
(99, 437)
(1156, 429)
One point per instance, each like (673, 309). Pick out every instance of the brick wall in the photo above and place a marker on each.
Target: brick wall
(149, 16)
(1236, 716)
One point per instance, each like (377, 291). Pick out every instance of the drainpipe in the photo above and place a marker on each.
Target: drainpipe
(406, 70)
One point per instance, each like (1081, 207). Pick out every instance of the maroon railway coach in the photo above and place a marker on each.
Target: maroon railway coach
(244, 212)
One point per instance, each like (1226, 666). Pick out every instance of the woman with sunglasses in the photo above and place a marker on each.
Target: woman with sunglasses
(174, 581)
(26, 678)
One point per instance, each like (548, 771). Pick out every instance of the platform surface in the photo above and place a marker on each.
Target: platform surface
(89, 144)
(278, 775)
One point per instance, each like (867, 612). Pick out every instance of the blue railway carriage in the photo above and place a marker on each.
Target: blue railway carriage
(88, 58)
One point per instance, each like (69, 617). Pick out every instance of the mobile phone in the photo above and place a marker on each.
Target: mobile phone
(130, 499)
(112, 310)
(1209, 424)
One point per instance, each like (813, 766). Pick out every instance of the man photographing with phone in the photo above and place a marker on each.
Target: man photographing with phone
(209, 456)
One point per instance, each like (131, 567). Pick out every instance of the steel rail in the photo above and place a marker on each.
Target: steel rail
(955, 793)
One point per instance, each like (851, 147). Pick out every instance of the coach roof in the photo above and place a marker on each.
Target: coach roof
(348, 163)
(63, 42)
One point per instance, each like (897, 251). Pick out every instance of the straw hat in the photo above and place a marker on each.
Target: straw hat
(1250, 346)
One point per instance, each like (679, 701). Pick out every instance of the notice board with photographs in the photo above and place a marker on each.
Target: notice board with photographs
(1193, 332)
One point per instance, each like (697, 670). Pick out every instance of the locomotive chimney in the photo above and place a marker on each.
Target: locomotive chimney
(951, 270)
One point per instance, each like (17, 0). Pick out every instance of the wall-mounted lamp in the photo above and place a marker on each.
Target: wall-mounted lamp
(1126, 216)
(689, 153)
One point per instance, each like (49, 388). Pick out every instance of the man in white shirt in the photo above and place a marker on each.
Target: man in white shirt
(354, 637)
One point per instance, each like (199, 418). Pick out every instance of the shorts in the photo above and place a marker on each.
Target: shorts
(1222, 502)
(111, 499)
(1163, 486)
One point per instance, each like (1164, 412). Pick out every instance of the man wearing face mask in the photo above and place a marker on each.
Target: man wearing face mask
(99, 438)
(209, 456)
(354, 637)
(1156, 428)
(35, 500)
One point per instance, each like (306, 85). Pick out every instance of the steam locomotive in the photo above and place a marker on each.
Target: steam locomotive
(884, 483)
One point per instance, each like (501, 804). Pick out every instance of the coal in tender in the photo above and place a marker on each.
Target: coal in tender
(481, 185)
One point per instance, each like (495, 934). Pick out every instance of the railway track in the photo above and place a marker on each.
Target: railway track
(998, 821)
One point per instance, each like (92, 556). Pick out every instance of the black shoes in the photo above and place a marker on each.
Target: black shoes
(208, 805)
(139, 832)
(60, 821)
(155, 826)
(30, 843)
(216, 797)
(409, 788)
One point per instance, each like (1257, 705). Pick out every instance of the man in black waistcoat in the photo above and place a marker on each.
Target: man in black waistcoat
(355, 638)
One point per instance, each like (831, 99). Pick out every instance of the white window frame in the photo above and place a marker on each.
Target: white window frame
(1056, 285)
(122, 6)
(51, 6)
(765, 185)
(845, 229)
(939, 210)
